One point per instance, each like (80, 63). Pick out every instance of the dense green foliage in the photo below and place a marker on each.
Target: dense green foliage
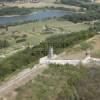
(97, 26)
(63, 41)
(56, 83)
(4, 44)
(14, 11)
(29, 55)
(79, 17)
(91, 11)
(88, 87)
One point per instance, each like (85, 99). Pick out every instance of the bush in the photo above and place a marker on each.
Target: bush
(85, 46)
(4, 44)
(20, 40)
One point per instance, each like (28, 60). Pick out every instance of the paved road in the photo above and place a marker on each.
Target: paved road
(22, 78)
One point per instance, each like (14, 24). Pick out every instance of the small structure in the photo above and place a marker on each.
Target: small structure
(47, 29)
(51, 59)
(50, 54)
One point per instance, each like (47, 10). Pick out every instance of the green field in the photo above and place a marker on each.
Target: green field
(55, 83)
(32, 33)
(63, 83)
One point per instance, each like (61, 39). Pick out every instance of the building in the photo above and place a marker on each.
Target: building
(51, 59)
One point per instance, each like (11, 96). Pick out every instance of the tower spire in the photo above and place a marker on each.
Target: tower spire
(50, 53)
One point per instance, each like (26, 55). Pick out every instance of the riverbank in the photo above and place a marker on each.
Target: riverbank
(35, 11)
(18, 11)
(15, 11)
(42, 5)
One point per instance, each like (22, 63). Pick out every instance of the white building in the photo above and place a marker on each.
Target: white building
(93, 1)
(51, 59)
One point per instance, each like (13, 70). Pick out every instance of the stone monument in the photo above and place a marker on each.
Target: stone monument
(50, 53)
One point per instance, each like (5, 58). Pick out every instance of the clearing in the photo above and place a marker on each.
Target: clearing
(79, 51)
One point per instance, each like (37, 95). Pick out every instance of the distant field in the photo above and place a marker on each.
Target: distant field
(59, 81)
(78, 51)
(33, 32)
(97, 1)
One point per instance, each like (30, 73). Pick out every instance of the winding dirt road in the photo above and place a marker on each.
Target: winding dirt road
(21, 79)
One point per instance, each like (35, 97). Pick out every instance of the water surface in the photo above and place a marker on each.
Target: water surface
(39, 15)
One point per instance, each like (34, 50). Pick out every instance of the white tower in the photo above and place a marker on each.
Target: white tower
(93, 1)
(50, 53)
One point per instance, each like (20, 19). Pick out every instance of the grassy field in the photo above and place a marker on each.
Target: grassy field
(54, 84)
(62, 83)
(65, 82)
(32, 33)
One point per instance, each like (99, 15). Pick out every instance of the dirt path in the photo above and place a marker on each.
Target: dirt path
(21, 79)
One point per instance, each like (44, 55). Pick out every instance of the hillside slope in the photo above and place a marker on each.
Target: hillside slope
(63, 83)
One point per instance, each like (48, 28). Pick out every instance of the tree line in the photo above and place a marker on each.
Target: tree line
(15, 11)
(80, 17)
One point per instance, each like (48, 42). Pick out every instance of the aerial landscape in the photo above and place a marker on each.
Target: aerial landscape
(49, 49)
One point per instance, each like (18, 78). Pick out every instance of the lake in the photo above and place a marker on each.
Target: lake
(39, 15)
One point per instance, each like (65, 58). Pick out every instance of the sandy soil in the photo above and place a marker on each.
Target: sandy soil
(76, 53)
(7, 90)
(41, 5)
(97, 1)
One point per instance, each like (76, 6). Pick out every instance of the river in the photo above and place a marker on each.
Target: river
(39, 15)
